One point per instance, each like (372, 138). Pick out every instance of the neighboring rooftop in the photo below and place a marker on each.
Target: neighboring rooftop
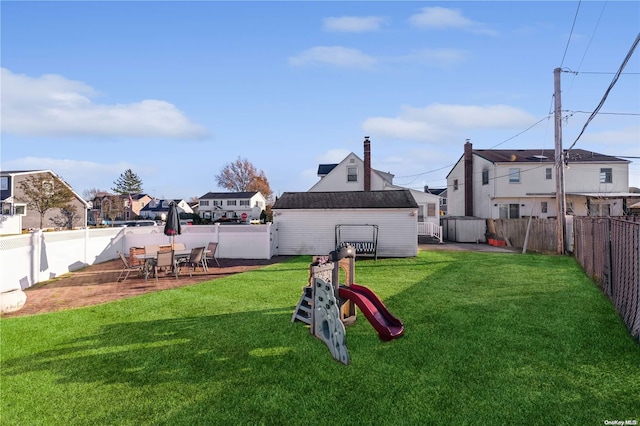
(542, 156)
(346, 200)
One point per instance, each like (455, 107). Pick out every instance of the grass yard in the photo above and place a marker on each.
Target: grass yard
(490, 339)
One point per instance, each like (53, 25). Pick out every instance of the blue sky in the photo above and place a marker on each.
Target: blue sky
(176, 90)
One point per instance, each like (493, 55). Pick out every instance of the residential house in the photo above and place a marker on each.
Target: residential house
(158, 209)
(355, 174)
(442, 193)
(107, 206)
(514, 183)
(231, 206)
(315, 223)
(15, 208)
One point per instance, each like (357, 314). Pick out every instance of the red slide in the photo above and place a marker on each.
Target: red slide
(387, 326)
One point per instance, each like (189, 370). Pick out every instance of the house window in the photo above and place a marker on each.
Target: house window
(4, 183)
(20, 209)
(606, 175)
(455, 184)
(485, 177)
(509, 211)
(47, 187)
(231, 202)
(245, 202)
(514, 175)
(217, 203)
(544, 207)
(548, 174)
(204, 203)
(431, 209)
(352, 174)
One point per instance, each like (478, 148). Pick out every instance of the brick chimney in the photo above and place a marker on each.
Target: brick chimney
(367, 164)
(468, 179)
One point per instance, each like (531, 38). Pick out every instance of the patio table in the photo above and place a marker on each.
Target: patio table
(150, 259)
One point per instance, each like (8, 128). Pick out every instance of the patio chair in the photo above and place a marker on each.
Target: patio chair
(196, 258)
(165, 260)
(151, 249)
(211, 255)
(127, 268)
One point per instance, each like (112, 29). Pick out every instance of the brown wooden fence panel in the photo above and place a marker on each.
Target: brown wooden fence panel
(542, 233)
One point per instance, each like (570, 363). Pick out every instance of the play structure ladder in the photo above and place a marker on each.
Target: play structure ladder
(304, 307)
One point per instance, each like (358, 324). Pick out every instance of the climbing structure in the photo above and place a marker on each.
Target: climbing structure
(327, 307)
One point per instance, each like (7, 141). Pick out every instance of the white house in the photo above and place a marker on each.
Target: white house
(221, 206)
(355, 174)
(316, 223)
(503, 184)
(158, 209)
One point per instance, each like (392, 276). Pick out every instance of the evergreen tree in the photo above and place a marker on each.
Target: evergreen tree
(127, 183)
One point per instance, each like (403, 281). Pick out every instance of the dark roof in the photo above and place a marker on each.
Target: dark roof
(325, 169)
(346, 200)
(541, 156)
(227, 195)
(435, 191)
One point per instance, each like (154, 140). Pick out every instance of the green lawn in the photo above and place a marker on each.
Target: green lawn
(490, 338)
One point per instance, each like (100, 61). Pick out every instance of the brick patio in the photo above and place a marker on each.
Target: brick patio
(97, 284)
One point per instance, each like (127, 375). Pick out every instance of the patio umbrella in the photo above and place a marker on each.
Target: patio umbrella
(172, 225)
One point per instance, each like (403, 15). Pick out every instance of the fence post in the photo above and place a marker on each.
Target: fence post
(608, 275)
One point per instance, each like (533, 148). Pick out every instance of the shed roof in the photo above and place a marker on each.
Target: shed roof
(346, 200)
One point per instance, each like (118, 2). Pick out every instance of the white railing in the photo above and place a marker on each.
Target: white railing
(430, 229)
(31, 258)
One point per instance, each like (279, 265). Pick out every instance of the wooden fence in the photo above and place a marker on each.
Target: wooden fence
(542, 233)
(609, 251)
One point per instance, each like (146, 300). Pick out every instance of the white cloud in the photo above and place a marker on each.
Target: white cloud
(333, 156)
(440, 18)
(339, 56)
(440, 122)
(353, 24)
(52, 105)
(434, 57)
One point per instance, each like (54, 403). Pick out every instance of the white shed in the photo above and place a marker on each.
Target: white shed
(306, 222)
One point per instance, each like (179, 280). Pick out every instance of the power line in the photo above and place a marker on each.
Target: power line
(450, 165)
(575, 18)
(606, 93)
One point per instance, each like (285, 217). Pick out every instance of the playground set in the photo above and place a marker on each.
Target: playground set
(328, 306)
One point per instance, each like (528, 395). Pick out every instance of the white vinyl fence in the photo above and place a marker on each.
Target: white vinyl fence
(31, 258)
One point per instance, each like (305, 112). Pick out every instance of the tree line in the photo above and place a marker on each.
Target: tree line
(42, 194)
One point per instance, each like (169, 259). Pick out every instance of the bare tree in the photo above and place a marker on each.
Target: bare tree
(242, 175)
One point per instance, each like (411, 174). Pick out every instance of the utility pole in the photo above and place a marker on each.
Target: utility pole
(559, 161)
